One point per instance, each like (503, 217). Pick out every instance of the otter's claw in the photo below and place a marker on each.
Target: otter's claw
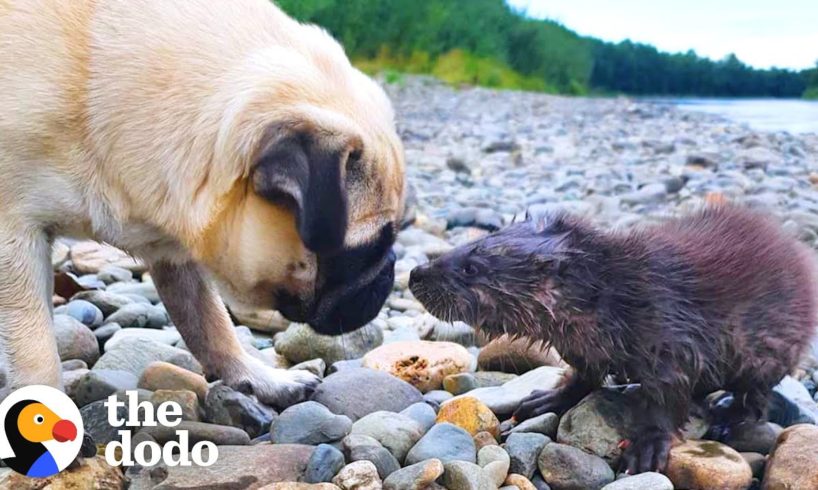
(540, 402)
(648, 452)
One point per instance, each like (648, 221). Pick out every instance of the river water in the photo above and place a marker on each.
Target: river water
(792, 115)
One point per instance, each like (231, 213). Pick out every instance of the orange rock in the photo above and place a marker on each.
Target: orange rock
(470, 414)
(794, 460)
(420, 363)
(520, 482)
(708, 465)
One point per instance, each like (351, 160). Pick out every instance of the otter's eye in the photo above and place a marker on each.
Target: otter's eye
(39, 419)
(470, 270)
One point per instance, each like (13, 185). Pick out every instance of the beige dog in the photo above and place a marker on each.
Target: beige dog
(220, 141)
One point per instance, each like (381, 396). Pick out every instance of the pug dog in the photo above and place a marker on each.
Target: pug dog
(233, 149)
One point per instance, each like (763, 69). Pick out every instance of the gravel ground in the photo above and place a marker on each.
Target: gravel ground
(410, 402)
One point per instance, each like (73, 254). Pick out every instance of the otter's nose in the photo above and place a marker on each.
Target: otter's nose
(418, 275)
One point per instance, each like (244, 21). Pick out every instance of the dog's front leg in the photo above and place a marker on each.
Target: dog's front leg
(201, 318)
(28, 351)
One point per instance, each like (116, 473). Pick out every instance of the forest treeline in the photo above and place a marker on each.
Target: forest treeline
(485, 42)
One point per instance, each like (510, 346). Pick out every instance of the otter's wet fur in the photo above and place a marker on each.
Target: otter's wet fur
(721, 298)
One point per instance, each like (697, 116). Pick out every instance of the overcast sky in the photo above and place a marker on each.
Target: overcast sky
(762, 33)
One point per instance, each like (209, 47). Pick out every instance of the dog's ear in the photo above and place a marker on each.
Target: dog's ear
(305, 172)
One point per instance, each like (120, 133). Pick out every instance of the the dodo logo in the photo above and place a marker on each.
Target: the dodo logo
(41, 431)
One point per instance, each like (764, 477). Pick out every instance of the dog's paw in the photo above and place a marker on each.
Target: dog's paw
(275, 387)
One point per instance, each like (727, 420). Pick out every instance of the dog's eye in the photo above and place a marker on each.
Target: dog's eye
(470, 270)
(39, 419)
(354, 161)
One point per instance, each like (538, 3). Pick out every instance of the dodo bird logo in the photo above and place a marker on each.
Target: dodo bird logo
(41, 431)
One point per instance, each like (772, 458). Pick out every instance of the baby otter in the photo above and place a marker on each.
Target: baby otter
(719, 299)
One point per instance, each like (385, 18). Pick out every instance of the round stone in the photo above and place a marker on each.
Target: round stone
(423, 364)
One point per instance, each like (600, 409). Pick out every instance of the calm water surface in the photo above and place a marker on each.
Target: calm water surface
(794, 116)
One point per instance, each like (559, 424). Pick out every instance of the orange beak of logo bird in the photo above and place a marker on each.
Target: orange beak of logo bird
(64, 430)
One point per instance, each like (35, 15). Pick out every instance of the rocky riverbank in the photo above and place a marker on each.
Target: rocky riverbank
(410, 402)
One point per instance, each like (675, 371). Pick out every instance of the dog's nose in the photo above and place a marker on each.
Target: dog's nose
(347, 309)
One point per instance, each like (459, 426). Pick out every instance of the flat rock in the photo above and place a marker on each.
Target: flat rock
(342, 394)
(519, 481)
(470, 414)
(546, 424)
(503, 400)
(135, 354)
(757, 463)
(289, 485)
(423, 364)
(325, 462)
(422, 413)
(642, 481)
(113, 273)
(70, 380)
(360, 475)
(100, 383)
(598, 423)
(300, 343)
(793, 462)
(140, 315)
(226, 406)
(106, 301)
(95, 421)
(168, 337)
(106, 333)
(139, 292)
(566, 467)
(91, 473)
(457, 384)
(415, 477)
(376, 454)
(483, 439)
(245, 467)
(462, 475)
(75, 340)
(186, 399)
(795, 392)
(516, 356)
(495, 463)
(90, 257)
(445, 442)
(708, 465)
(261, 320)
(309, 423)
(165, 376)
(753, 437)
(397, 433)
(85, 312)
(523, 449)
(221, 435)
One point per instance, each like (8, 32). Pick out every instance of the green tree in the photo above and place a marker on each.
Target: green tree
(486, 42)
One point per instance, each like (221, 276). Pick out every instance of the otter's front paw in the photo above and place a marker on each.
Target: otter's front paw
(542, 401)
(276, 387)
(648, 452)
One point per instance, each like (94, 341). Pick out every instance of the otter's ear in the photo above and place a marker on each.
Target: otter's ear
(299, 172)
